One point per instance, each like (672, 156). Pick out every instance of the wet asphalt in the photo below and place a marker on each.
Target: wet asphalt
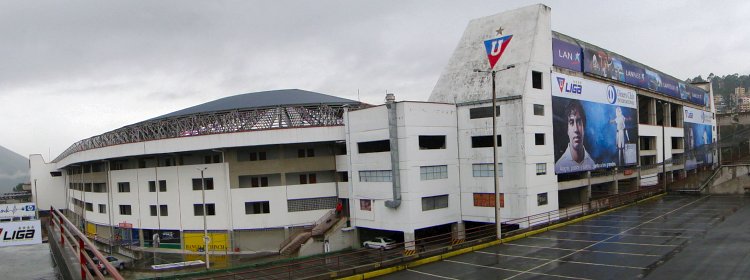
(674, 237)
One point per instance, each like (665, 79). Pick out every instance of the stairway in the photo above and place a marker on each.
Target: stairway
(319, 228)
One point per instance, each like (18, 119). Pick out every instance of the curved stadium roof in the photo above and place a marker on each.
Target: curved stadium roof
(263, 99)
(286, 108)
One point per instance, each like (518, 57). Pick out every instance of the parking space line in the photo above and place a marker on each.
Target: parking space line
(674, 229)
(519, 271)
(563, 261)
(605, 240)
(430, 274)
(592, 251)
(687, 223)
(561, 239)
(625, 234)
(584, 232)
(640, 244)
(595, 226)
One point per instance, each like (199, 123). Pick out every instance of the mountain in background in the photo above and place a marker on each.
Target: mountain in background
(14, 169)
(724, 85)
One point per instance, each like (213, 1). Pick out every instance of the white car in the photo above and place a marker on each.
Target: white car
(382, 243)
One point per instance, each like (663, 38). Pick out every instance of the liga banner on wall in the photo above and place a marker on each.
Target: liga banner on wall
(15, 210)
(20, 233)
(594, 124)
(698, 126)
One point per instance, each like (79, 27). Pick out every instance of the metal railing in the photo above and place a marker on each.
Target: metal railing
(334, 265)
(74, 241)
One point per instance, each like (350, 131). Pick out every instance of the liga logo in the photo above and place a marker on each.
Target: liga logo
(574, 87)
(495, 48)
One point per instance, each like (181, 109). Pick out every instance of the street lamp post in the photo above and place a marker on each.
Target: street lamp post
(36, 201)
(498, 226)
(205, 228)
(663, 145)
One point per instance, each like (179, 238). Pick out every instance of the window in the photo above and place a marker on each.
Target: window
(212, 159)
(123, 187)
(541, 199)
(541, 168)
(210, 209)
(258, 207)
(305, 153)
(308, 179)
(431, 142)
(102, 208)
(487, 200)
(433, 172)
(125, 210)
(87, 187)
(100, 187)
(89, 206)
(365, 204)
(374, 146)
(485, 170)
(255, 156)
(162, 186)
(538, 110)
(434, 202)
(483, 112)
(151, 186)
(162, 210)
(375, 176)
(55, 173)
(485, 141)
(343, 176)
(309, 204)
(256, 182)
(539, 139)
(197, 186)
(536, 79)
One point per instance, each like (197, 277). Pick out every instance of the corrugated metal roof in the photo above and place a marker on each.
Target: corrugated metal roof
(273, 98)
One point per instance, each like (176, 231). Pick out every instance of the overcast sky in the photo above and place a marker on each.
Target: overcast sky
(70, 70)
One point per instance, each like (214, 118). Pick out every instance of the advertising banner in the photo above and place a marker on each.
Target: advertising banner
(609, 65)
(15, 210)
(594, 124)
(698, 138)
(217, 241)
(566, 55)
(20, 233)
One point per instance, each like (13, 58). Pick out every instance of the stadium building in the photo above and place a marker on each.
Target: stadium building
(574, 120)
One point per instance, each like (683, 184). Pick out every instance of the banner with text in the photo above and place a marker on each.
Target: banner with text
(20, 233)
(15, 210)
(610, 65)
(594, 124)
(698, 138)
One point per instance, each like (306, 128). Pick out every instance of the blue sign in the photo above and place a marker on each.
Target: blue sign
(609, 65)
(566, 55)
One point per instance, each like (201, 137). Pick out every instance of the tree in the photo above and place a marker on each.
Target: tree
(18, 188)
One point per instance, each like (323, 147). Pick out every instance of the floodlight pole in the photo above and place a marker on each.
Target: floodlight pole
(498, 226)
(205, 228)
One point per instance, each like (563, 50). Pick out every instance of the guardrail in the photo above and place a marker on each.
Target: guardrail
(76, 242)
(363, 260)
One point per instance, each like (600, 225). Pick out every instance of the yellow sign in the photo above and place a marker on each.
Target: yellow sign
(90, 229)
(217, 241)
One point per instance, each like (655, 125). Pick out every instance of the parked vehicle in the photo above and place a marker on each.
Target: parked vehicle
(117, 263)
(382, 243)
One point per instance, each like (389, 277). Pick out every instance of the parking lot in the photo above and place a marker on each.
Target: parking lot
(664, 238)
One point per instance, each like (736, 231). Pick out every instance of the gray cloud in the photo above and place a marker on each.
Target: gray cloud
(75, 69)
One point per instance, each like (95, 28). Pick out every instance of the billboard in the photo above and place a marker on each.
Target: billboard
(610, 65)
(15, 210)
(594, 124)
(698, 126)
(566, 55)
(20, 233)
(217, 241)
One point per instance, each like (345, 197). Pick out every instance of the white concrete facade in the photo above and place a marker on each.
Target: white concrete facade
(446, 195)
